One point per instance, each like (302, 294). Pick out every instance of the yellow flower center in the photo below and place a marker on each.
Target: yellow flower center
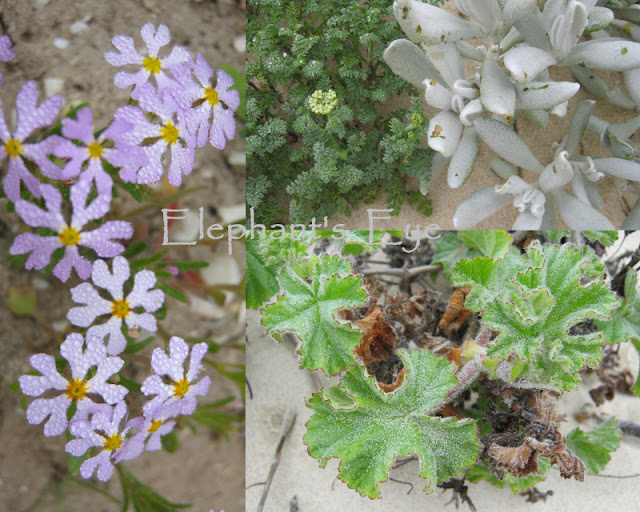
(69, 236)
(155, 425)
(77, 389)
(211, 96)
(180, 388)
(95, 149)
(13, 148)
(120, 308)
(170, 133)
(113, 442)
(152, 64)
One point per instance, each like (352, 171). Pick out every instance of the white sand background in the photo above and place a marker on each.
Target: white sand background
(280, 389)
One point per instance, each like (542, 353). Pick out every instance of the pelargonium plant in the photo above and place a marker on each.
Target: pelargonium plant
(467, 382)
(62, 180)
(513, 45)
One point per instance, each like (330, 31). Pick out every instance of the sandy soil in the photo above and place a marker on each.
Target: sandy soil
(206, 471)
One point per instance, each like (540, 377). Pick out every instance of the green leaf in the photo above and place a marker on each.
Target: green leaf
(143, 497)
(131, 385)
(539, 306)
(184, 266)
(606, 238)
(593, 448)
(494, 244)
(382, 427)
(170, 442)
(74, 463)
(261, 281)
(308, 310)
(137, 247)
(171, 291)
(449, 251)
(132, 348)
(22, 301)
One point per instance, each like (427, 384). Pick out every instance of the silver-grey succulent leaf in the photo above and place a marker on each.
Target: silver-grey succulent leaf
(610, 54)
(408, 61)
(507, 144)
(463, 159)
(544, 95)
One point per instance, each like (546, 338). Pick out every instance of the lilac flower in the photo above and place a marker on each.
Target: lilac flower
(102, 430)
(30, 118)
(76, 388)
(210, 97)
(150, 64)
(182, 389)
(6, 53)
(93, 150)
(69, 235)
(152, 426)
(120, 308)
(172, 133)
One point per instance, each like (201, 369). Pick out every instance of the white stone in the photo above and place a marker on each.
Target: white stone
(222, 270)
(53, 86)
(229, 214)
(77, 27)
(40, 3)
(240, 44)
(60, 325)
(60, 42)
(40, 283)
(238, 159)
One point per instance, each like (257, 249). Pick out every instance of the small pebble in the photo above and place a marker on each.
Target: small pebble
(60, 42)
(229, 214)
(41, 3)
(240, 44)
(40, 283)
(60, 325)
(222, 270)
(208, 173)
(187, 229)
(205, 308)
(78, 26)
(53, 86)
(23, 489)
(238, 159)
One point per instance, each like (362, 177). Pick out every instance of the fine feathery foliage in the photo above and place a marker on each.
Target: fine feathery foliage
(320, 130)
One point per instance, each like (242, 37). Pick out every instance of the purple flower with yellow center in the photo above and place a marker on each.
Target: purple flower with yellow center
(70, 236)
(151, 63)
(104, 431)
(76, 388)
(95, 150)
(30, 118)
(171, 132)
(151, 427)
(182, 388)
(119, 308)
(6, 53)
(210, 99)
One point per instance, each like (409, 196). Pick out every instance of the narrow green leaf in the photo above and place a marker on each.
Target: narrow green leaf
(171, 291)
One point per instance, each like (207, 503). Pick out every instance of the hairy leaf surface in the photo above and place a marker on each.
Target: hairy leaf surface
(308, 310)
(377, 427)
(594, 447)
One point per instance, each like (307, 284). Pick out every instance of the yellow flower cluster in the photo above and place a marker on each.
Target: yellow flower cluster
(321, 102)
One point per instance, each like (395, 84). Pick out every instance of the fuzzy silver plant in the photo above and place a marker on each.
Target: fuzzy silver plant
(525, 38)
